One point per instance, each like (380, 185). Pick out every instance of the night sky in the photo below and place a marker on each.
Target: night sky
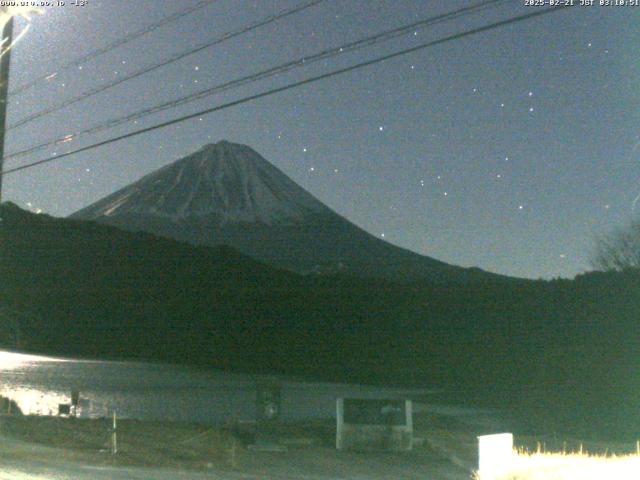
(511, 150)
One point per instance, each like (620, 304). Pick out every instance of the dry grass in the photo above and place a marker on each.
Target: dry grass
(570, 466)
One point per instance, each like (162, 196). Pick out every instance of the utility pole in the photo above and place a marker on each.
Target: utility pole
(5, 61)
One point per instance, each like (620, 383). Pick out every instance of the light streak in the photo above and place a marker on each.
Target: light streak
(6, 14)
(637, 199)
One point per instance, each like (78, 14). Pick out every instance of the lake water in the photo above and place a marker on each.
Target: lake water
(152, 391)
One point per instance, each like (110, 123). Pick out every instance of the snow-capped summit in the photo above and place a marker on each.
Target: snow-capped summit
(227, 194)
(228, 181)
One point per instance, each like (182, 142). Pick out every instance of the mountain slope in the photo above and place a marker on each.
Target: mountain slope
(227, 194)
(226, 182)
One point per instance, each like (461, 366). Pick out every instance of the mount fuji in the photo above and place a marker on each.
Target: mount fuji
(227, 194)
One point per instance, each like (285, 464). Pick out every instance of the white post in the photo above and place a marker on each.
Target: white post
(114, 435)
(408, 408)
(339, 422)
(495, 455)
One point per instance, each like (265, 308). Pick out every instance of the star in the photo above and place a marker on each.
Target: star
(520, 207)
(381, 128)
(304, 149)
(531, 109)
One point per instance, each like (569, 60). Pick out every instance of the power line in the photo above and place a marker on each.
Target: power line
(292, 85)
(282, 68)
(173, 59)
(111, 46)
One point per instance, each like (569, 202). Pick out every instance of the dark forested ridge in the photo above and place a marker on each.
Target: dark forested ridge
(562, 353)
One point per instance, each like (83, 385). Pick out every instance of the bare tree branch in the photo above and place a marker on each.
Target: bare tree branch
(619, 250)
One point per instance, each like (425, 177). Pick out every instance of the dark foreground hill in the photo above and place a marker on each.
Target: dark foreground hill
(562, 353)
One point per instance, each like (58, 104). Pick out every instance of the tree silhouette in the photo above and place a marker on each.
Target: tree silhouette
(620, 250)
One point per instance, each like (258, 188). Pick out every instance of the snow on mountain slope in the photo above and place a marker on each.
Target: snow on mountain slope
(229, 181)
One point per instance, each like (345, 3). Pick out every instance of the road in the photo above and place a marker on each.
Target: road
(22, 461)
(79, 472)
